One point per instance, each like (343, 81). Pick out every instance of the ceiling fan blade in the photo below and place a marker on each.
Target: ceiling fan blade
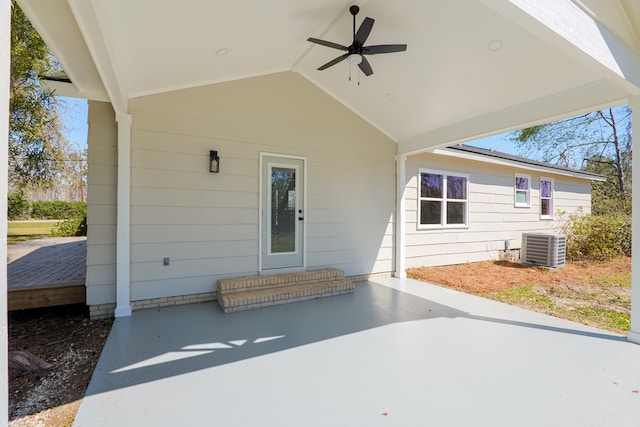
(327, 44)
(365, 67)
(383, 48)
(364, 31)
(334, 61)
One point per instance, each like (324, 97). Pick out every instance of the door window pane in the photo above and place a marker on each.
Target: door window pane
(283, 210)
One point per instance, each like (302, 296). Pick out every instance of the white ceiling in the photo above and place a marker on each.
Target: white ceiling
(450, 85)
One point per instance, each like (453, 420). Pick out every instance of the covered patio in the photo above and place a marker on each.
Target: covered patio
(397, 352)
(170, 82)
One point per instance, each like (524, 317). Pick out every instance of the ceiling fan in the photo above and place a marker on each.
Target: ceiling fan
(357, 51)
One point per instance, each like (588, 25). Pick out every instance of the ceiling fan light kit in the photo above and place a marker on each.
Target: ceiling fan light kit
(355, 53)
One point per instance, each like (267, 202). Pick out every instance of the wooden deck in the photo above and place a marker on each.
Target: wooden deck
(46, 272)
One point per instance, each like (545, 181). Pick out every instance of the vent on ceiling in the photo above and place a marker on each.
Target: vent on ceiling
(548, 250)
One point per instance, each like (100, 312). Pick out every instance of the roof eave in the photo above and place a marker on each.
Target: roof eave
(521, 164)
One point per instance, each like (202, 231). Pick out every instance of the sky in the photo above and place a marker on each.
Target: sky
(497, 142)
(74, 117)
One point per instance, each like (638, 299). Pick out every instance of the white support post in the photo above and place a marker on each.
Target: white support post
(634, 333)
(123, 227)
(5, 59)
(400, 272)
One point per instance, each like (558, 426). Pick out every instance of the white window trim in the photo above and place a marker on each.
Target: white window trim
(552, 198)
(443, 214)
(527, 204)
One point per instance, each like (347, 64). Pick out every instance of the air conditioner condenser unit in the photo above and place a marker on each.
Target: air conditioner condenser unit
(548, 250)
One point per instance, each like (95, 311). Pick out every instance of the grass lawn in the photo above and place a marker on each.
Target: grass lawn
(22, 231)
(592, 293)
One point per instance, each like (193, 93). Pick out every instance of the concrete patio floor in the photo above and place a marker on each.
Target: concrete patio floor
(395, 353)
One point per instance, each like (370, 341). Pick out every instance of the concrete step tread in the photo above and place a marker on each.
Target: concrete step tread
(259, 282)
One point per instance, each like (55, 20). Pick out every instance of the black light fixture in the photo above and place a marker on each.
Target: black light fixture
(214, 162)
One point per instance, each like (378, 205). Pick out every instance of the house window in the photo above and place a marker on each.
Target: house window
(523, 191)
(443, 200)
(546, 198)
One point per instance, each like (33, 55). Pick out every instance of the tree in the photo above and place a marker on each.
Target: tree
(598, 142)
(36, 140)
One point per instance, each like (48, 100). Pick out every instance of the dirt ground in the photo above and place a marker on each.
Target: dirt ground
(68, 340)
(594, 293)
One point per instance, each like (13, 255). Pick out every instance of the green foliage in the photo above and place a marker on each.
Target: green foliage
(36, 141)
(58, 209)
(598, 237)
(607, 198)
(18, 206)
(527, 296)
(608, 319)
(74, 226)
(527, 134)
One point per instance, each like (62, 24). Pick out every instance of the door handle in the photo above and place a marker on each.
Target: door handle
(300, 218)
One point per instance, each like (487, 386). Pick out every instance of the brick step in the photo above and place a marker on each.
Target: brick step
(264, 297)
(239, 284)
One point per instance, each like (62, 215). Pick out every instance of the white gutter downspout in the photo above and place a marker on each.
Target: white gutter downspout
(401, 161)
(5, 60)
(123, 227)
(634, 332)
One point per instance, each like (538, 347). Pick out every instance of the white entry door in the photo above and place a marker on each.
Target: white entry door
(282, 212)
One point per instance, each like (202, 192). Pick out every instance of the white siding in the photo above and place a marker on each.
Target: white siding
(207, 224)
(101, 201)
(493, 217)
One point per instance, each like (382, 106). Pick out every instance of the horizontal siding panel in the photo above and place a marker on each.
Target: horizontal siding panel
(101, 214)
(103, 155)
(165, 215)
(101, 294)
(142, 271)
(150, 252)
(193, 198)
(101, 274)
(146, 233)
(101, 174)
(101, 234)
(102, 194)
(101, 254)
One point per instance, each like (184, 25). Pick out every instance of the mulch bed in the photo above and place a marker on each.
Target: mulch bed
(65, 338)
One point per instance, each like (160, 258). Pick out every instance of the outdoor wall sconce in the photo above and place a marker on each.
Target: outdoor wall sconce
(214, 162)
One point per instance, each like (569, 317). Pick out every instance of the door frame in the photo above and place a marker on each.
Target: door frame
(261, 214)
